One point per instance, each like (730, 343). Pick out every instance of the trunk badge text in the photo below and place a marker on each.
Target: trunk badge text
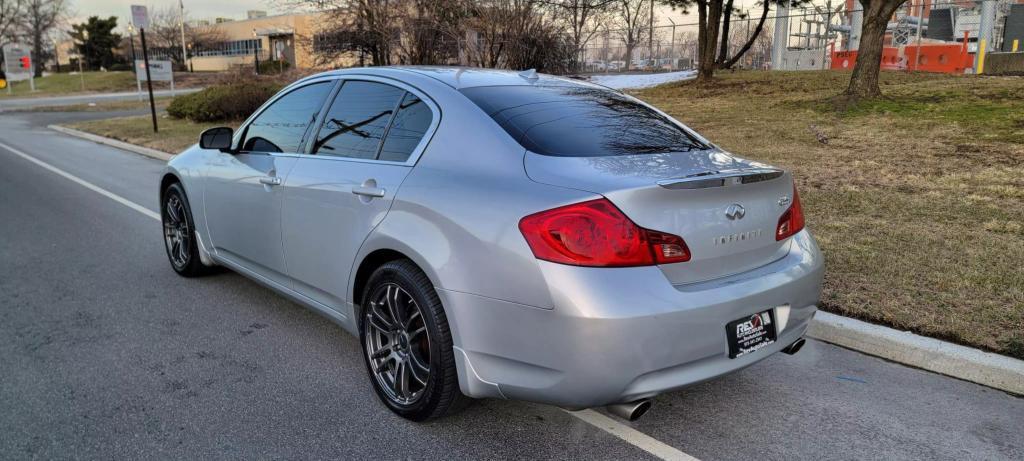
(735, 211)
(784, 200)
(738, 237)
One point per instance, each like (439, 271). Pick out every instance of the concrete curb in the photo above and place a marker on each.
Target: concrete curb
(152, 153)
(985, 368)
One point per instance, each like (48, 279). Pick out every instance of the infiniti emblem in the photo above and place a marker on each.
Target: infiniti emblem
(735, 211)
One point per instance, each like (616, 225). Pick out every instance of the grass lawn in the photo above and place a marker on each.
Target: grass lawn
(174, 135)
(917, 199)
(63, 84)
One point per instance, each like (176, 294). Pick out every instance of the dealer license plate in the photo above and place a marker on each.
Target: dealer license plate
(751, 333)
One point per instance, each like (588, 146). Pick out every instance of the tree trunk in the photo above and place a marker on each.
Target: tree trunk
(723, 52)
(37, 53)
(629, 55)
(751, 39)
(864, 81)
(709, 44)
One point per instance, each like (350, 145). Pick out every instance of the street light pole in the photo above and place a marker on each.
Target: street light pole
(81, 74)
(131, 41)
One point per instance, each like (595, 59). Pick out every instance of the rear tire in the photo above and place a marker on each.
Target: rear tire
(180, 233)
(403, 327)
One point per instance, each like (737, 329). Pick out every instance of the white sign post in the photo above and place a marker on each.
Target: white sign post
(18, 64)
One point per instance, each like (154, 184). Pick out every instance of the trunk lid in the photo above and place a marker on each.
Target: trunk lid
(688, 194)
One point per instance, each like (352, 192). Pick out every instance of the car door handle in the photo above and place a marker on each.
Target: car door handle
(376, 192)
(270, 180)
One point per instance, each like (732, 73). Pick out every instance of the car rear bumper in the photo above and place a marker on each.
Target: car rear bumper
(618, 335)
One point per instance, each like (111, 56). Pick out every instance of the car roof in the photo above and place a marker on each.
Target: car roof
(466, 77)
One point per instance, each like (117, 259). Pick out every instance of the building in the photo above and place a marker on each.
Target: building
(286, 37)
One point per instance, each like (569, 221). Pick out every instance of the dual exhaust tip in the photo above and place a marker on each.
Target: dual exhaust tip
(632, 411)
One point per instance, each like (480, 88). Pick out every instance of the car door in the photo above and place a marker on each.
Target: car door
(372, 134)
(243, 193)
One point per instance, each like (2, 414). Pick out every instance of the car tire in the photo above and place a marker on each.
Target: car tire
(393, 340)
(179, 233)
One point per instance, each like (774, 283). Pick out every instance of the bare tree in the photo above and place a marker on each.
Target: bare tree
(164, 34)
(632, 19)
(583, 19)
(41, 16)
(429, 31)
(864, 81)
(11, 13)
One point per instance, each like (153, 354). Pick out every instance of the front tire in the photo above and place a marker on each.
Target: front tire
(407, 345)
(180, 233)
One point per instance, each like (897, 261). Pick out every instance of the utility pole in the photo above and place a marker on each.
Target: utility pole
(672, 47)
(650, 35)
(181, 25)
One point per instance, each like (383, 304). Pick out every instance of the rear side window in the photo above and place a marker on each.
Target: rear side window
(358, 119)
(411, 123)
(281, 127)
(572, 121)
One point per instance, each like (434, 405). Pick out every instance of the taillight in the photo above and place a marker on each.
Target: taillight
(792, 221)
(596, 233)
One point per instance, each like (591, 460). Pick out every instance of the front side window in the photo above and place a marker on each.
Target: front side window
(577, 121)
(281, 127)
(358, 120)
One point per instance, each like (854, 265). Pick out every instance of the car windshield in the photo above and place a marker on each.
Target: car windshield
(578, 121)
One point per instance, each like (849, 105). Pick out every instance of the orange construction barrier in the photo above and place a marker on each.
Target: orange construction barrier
(943, 58)
(947, 59)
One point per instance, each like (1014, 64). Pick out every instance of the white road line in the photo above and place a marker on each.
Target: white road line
(632, 436)
(598, 420)
(84, 183)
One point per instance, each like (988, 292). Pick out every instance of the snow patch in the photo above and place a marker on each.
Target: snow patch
(622, 82)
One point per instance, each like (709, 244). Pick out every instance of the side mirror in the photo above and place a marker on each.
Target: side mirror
(217, 138)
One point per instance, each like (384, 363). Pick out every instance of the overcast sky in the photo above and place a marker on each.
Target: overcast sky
(196, 9)
(208, 9)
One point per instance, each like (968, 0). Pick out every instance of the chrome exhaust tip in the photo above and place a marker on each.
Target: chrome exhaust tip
(795, 347)
(631, 411)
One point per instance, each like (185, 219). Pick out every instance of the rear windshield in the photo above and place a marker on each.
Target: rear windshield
(573, 121)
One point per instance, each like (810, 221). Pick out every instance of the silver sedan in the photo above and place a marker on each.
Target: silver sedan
(492, 234)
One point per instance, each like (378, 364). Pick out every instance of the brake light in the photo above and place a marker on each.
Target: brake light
(792, 221)
(596, 233)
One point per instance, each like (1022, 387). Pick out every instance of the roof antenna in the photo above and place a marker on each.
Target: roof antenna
(529, 74)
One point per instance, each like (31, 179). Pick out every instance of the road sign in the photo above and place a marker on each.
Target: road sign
(140, 17)
(159, 71)
(17, 62)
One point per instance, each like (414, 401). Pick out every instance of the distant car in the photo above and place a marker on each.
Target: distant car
(500, 234)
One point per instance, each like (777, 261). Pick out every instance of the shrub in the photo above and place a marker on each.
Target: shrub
(274, 67)
(222, 102)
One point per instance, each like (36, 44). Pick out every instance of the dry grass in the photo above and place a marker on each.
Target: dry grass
(174, 135)
(917, 199)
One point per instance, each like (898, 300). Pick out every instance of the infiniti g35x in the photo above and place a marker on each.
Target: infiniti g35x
(501, 234)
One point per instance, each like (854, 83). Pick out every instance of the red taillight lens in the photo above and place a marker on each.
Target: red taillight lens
(596, 233)
(792, 221)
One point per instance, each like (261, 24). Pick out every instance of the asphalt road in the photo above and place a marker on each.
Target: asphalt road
(106, 353)
(22, 103)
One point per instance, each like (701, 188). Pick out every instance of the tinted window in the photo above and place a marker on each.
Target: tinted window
(281, 127)
(573, 121)
(357, 120)
(411, 122)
